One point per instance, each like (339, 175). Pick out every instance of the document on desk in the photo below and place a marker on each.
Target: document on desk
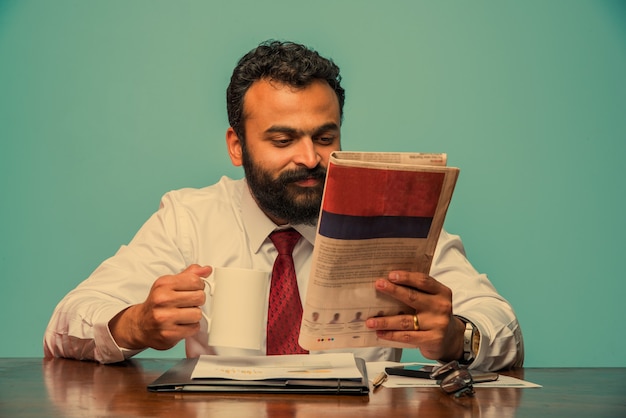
(318, 373)
(380, 212)
(318, 366)
(502, 382)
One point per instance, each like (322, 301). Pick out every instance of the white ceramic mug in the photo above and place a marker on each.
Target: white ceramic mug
(238, 303)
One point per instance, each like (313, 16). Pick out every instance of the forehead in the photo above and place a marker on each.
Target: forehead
(268, 99)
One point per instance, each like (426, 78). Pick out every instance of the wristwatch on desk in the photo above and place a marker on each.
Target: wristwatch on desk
(471, 341)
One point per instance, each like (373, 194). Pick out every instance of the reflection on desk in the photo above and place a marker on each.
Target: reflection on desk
(69, 388)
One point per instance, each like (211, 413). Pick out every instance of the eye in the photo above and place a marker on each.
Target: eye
(326, 139)
(281, 142)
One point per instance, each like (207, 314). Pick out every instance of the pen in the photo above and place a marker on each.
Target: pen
(379, 380)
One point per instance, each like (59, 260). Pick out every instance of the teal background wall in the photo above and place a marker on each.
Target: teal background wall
(106, 105)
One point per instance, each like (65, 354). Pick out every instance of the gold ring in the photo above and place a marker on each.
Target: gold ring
(416, 324)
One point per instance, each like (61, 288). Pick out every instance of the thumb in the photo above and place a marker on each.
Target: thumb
(202, 271)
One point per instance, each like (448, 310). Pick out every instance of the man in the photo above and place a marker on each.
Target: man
(285, 108)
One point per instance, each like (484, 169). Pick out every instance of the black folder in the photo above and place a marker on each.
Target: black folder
(178, 379)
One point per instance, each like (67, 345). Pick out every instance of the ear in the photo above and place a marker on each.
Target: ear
(233, 144)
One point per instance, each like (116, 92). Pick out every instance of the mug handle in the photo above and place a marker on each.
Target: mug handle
(211, 291)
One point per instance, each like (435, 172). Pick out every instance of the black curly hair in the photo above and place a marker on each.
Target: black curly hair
(285, 62)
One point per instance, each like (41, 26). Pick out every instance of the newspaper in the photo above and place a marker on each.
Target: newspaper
(380, 212)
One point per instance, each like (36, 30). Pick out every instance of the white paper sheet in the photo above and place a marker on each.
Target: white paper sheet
(305, 366)
(375, 368)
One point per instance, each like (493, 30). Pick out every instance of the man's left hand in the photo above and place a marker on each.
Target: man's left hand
(439, 335)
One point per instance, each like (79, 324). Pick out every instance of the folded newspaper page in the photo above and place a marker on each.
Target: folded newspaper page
(380, 212)
(319, 366)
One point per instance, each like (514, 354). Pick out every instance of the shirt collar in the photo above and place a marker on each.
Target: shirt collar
(258, 226)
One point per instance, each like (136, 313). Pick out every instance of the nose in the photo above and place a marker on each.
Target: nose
(306, 154)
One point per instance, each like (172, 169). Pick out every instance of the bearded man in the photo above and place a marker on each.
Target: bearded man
(285, 108)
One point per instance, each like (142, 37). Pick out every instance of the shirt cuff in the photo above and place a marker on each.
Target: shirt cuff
(107, 350)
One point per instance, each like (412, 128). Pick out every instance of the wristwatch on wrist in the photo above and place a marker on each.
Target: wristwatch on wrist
(471, 342)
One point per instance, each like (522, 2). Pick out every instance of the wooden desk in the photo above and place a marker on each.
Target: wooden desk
(68, 388)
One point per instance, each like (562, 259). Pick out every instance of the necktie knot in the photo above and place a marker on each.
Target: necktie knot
(285, 240)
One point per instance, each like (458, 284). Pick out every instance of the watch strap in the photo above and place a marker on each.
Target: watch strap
(471, 341)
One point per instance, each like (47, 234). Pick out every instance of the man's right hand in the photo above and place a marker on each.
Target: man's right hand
(170, 313)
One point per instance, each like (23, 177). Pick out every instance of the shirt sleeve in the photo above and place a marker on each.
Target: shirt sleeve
(79, 327)
(476, 299)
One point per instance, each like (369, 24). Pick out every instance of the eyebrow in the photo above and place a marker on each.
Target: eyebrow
(330, 126)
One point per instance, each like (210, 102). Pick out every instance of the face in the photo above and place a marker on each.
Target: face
(290, 134)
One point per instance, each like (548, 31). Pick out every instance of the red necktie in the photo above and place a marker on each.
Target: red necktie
(285, 308)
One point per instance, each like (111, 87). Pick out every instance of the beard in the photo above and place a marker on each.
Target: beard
(281, 197)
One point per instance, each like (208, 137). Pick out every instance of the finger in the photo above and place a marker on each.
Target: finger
(178, 291)
(408, 295)
(188, 316)
(420, 281)
(404, 337)
(201, 271)
(189, 279)
(190, 290)
(193, 277)
(397, 322)
(189, 298)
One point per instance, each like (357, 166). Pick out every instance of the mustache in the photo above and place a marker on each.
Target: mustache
(291, 176)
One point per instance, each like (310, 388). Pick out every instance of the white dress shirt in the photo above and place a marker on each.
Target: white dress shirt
(222, 226)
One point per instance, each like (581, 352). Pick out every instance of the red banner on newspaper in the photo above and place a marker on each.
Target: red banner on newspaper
(363, 203)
